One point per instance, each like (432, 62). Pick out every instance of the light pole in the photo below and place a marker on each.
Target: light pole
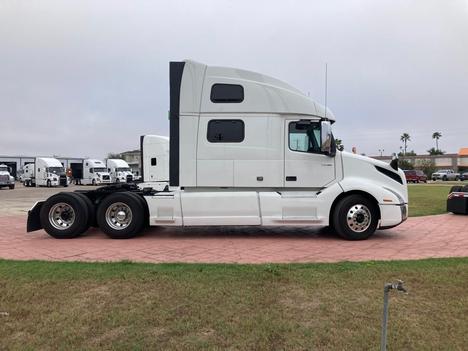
(381, 152)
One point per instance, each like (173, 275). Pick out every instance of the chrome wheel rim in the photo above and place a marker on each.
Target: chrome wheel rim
(118, 215)
(61, 216)
(359, 218)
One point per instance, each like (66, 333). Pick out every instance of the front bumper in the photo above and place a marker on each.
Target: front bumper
(392, 215)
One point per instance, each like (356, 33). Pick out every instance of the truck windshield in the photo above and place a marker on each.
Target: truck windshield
(101, 169)
(123, 169)
(55, 170)
(3, 169)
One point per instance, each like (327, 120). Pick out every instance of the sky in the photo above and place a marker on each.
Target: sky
(85, 78)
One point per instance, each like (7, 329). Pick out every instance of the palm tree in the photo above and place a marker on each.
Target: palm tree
(405, 138)
(437, 136)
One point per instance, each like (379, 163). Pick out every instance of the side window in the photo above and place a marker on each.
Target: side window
(225, 131)
(227, 93)
(153, 161)
(304, 136)
(91, 170)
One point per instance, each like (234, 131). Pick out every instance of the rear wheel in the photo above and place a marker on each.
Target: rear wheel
(12, 186)
(121, 215)
(91, 209)
(64, 216)
(355, 217)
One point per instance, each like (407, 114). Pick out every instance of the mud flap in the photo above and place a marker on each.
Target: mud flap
(34, 220)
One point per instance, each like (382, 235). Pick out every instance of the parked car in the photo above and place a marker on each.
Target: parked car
(445, 174)
(422, 177)
(464, 176)
(411, 176)
(415, 176)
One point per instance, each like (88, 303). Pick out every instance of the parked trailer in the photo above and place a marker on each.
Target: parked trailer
(244, 149)
(45, 171)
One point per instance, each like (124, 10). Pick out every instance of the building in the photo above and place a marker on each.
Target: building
(133, 158)
(458, 162)
(16, 163)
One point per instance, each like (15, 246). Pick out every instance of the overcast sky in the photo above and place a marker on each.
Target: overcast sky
(84, 78)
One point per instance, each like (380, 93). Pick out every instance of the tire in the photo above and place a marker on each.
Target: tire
(12, 186)
(456, 178)
(444, 178)
(132, 215)
(91, 209)
(93, 182)
(75, 226)
(433, 179)
(49, 184)
(364, 217)
(145, 209)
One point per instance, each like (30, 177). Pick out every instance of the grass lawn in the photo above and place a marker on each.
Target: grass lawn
(428, 199)
(122, 306)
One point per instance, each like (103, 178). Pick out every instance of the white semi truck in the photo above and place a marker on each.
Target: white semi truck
(90, 172)
(45, 171)
(244, 149)
(6, 180)
(119, 171)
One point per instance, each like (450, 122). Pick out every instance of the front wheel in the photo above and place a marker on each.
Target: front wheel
(355, 217)
(12, 186)
(121, 215)
(49, 184)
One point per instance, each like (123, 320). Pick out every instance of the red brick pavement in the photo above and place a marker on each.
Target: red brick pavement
(422, 237)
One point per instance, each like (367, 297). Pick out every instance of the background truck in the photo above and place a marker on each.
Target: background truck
(45, 171)
(445, 174)
(119, 171)
(6, 180)
(90, 172)
(244, 149)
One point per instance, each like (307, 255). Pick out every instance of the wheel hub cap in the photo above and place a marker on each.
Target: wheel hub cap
(359, 218)
(118, 215)
(61, 216)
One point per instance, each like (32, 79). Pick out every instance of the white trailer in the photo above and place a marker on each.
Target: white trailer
(6, 180)
(244, 149)
(119, 171)
(45, 171)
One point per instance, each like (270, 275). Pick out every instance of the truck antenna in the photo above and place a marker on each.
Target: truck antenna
(326, 87)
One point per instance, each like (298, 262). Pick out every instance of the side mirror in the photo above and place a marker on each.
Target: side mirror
(394, 162)
(328, 145)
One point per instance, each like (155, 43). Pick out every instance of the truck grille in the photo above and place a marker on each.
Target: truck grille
(4, 179)
(129, 178)
(63, 180)
(105, 177)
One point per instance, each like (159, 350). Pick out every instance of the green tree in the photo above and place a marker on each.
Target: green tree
(433, 151)
(408, 153)
(437, 136)
(113, 155)
(405, 164)
(405, 138)
(428, 167)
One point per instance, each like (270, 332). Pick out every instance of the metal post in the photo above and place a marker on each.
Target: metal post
(387, 287)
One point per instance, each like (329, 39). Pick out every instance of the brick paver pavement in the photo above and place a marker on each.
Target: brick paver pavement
(432, 236)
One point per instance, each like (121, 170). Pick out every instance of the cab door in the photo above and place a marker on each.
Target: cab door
(305, 165)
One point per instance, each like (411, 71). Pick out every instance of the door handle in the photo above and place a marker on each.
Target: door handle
(327, 164)
(291, 179)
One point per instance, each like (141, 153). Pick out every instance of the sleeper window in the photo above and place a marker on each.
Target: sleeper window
(227, 93)
(304, 136)
(225, 131)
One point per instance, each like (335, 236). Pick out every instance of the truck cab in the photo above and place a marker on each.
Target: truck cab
(95, 173)
(6, 180)
(119, 171)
